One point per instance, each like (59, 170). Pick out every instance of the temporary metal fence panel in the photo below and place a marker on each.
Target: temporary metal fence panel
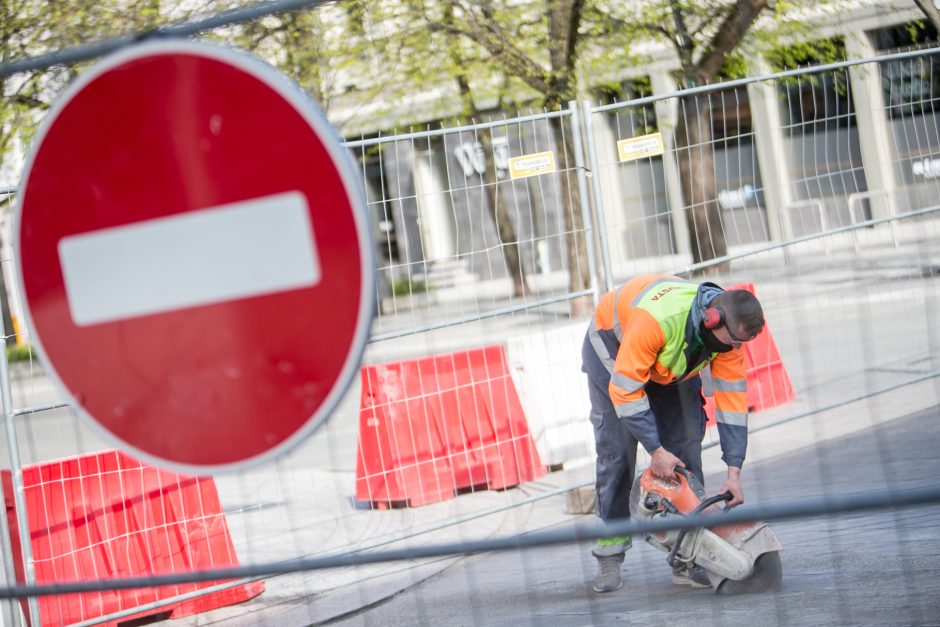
(459, 218)
(804, 175)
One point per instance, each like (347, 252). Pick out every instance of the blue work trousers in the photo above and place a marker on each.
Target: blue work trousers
(680, 420)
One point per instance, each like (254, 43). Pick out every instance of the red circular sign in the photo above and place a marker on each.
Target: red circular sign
(194, 254)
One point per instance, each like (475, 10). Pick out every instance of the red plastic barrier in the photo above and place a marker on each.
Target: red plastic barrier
(106, 516)
(432, 426)
(768, 383)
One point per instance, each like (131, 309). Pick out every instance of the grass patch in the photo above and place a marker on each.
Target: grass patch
(406, 287)
(20, 352)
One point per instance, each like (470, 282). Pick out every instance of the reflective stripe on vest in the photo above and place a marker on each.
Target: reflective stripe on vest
(724, 385)
(626, 383)
(632, 408)
(599, 347)
(618, 332)
(731, 417)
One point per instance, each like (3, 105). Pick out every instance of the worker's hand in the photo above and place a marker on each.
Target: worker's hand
(663, 463)
(733, 485)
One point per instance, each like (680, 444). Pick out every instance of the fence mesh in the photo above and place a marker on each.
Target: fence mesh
(469, 419)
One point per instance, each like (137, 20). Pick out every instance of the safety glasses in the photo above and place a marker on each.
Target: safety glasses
(735, 338)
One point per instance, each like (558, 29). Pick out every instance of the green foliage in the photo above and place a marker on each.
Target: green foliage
(736, 66)
(916, 30)
(33, 27)
(805, 53)
(19, 352)
(376, 65)
(406, 287)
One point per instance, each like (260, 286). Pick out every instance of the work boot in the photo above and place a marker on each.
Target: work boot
(691, 575)
(609, 553)
(608, 573)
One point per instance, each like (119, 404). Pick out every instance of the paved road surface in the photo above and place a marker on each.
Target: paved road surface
(878, 568)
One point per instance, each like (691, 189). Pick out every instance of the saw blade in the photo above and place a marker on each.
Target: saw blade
(767, 577)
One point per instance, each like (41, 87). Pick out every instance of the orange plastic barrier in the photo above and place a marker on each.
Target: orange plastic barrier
(433, 426)
(106, 516)
(768, 383)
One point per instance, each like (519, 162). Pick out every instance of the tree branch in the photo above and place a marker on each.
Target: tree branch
(491, 37)
(29, 101)
(683, 40)
(930, 10)
(727, 38)
(658, 28)
(576, 12)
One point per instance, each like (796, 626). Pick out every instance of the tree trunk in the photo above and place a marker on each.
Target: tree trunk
(694, 133)
(505, 229)
(564, 20)
(697, 170)
(579, 273)
(5, 307)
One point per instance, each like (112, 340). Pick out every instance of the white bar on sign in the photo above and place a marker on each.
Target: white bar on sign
(239, 250)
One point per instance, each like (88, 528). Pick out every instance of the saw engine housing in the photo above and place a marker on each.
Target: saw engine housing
(739, 558)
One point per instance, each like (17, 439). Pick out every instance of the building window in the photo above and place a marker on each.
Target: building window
(911, 86)
(632, 121)
(814, 102)
(910, 36)
(380, 209)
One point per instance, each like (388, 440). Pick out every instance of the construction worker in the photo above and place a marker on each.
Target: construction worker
(645, 346)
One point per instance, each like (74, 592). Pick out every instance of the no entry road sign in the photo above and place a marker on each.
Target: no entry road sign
(194, 255)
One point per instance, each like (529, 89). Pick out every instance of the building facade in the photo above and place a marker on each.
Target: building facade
(791, 157)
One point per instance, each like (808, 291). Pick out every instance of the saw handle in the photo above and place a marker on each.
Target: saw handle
(718, 498)
(706, 503)
(724, 496)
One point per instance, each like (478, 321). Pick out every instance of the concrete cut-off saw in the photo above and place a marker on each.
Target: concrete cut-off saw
(739, 558)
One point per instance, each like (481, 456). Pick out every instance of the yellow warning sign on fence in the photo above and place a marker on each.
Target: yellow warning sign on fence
(638, 147)
(531, 165)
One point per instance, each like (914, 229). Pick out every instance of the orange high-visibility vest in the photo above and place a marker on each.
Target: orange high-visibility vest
(642, 332)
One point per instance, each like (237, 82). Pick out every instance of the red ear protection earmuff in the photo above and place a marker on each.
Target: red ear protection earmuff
(714, 317)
